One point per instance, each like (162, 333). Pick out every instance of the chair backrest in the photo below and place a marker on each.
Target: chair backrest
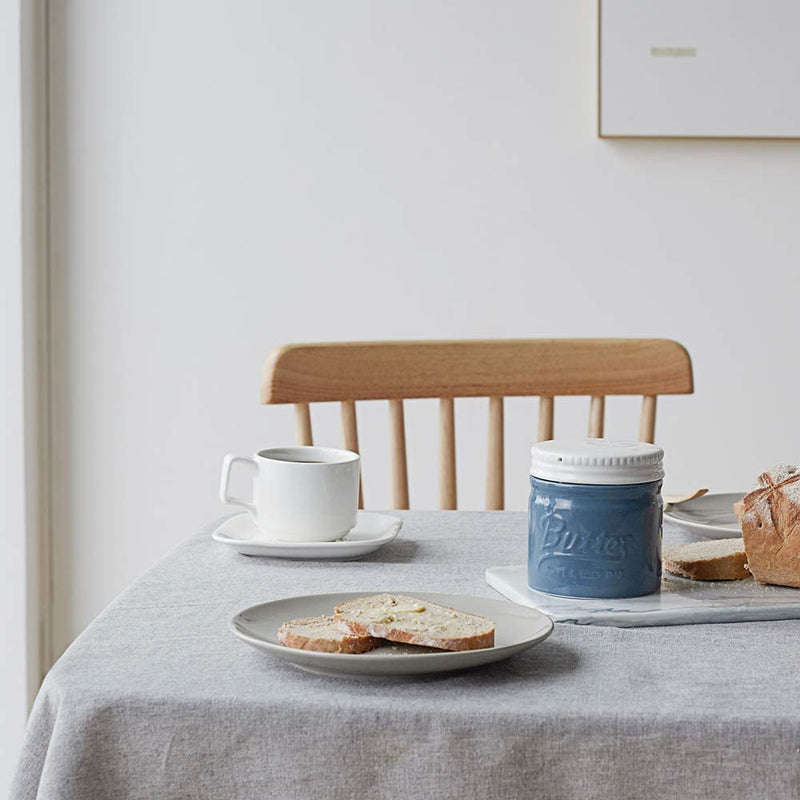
(394, 371)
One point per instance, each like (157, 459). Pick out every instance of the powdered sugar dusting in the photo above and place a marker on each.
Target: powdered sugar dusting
(786, 472)
(783, 472)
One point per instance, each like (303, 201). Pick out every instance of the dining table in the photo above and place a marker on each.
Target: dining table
(158, 699)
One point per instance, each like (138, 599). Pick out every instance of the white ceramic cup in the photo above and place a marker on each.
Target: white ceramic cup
(300, 494)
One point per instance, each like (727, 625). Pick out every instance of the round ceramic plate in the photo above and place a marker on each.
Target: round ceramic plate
(710, 516)
(517, 629)
(372, 531)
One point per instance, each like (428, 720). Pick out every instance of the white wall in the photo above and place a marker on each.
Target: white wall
(232, 176)
(20, 104)
(13, 699)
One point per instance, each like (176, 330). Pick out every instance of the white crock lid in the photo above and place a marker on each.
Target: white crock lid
(603, 462)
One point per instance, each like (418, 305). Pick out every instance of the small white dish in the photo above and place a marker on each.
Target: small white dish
(371, 532)
(516, 629)
(710, 516)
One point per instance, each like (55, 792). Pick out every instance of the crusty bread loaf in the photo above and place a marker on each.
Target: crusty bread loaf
(323, 634)
(771, 526)
(714, 560)
(400, 618)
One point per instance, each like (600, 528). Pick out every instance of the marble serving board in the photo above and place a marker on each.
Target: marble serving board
(680, 602)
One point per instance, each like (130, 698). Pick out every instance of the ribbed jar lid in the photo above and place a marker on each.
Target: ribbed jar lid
(603, 462)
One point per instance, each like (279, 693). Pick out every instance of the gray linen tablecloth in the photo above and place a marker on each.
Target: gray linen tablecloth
(157, 699)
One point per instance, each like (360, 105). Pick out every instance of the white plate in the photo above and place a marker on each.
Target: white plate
(517, 629)
(711, 516)
(371, 532)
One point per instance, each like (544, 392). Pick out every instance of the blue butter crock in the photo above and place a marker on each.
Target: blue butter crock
(594, 539)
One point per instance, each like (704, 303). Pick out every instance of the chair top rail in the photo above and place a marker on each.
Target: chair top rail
(302, 373)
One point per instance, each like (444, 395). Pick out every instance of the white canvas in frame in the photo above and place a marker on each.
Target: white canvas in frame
(699, 68)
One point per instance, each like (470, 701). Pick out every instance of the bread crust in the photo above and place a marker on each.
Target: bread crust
(771, 527)
(731, 567)
(422, 639)
(290, 634)
(385, 630)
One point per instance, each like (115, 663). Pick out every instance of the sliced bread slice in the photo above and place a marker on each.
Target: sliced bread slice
(323, 635)
(713, 560)
(401, 618)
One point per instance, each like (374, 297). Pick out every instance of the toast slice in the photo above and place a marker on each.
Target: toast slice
(401, 618)
(714, 560)
(323, 635)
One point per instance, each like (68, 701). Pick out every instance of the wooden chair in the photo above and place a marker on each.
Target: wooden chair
(347, 372)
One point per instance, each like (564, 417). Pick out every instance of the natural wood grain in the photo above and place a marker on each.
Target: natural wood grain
(397, 428)
(546, 414)
(597, 413)
(302, 424)
(447, 454)
(495, 459)
(647, 422)
(350, 437)
(349, 425)
(480, 368)
(495, 369)
(677, 499)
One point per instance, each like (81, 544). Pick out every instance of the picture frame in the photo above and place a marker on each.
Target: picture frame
(720, 69)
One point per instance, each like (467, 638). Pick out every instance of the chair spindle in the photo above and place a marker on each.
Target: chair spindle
(647, 424)
(350, 435)
(597, 413)
(399, 468)
(447, 454)
(495, 474)
(546, 410)
(302, 424)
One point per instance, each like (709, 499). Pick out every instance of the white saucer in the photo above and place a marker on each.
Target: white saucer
(371, 532)
(710, 516)
(516, 629)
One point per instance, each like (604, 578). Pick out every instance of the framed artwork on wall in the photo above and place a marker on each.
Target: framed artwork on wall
(699, 69)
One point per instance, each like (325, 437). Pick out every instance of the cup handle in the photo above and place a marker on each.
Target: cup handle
(224, 479)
